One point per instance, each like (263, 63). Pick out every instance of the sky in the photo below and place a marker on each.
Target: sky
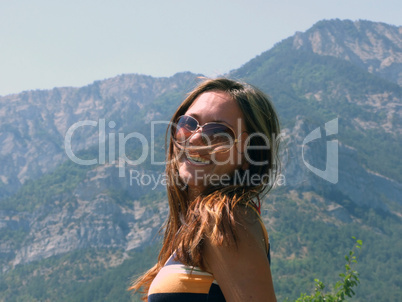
(56, 43)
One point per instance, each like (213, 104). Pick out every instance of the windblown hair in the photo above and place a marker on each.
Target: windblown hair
(212, 213)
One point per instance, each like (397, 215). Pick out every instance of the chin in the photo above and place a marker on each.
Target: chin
(192, 177)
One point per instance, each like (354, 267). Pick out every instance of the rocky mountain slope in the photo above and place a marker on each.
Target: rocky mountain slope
(33, 124)
(375, 47)
(102, 215)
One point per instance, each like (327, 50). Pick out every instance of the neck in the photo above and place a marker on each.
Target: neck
(193, 193)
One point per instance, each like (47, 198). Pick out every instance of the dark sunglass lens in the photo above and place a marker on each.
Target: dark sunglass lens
(218, 134)
(184, 128)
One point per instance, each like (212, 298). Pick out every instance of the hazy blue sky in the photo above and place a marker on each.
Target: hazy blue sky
(53, 43)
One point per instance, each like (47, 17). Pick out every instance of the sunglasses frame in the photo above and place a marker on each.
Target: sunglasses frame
(235, 140)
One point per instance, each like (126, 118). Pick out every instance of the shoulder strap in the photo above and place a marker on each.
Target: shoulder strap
(264, 229)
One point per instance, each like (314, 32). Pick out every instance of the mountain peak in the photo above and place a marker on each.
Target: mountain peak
(373, 46)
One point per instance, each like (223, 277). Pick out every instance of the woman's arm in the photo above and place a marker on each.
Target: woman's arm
(242, 271)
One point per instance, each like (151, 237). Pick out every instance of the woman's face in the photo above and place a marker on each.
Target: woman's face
(198, 169)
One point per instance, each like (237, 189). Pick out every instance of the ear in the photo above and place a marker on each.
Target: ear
(245, 165)
(242, 145)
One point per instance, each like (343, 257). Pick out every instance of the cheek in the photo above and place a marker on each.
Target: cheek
(228, 159)
(177, 154)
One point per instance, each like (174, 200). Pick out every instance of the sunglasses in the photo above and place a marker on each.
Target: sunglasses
(214, 136)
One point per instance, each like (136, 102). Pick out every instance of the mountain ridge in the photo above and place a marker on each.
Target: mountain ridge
(51, 208)
(42, 118)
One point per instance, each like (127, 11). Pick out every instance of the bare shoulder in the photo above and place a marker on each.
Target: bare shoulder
(249, 224)
(242, 269)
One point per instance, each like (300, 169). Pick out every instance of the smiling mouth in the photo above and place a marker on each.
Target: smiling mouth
(198, 160)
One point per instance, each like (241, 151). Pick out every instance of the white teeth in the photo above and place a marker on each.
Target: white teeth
(198, 160)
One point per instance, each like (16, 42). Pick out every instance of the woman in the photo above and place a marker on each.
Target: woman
(222, 158)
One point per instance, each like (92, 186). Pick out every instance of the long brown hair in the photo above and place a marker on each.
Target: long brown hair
(212, 213)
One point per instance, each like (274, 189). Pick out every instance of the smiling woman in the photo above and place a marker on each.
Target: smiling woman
(208, 149)
(215, 246)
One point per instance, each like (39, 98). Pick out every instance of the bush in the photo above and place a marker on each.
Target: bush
(343, 288)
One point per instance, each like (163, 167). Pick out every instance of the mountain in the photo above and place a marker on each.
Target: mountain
(314, 86)
(36, 121)
(375, 48)
(81, 232)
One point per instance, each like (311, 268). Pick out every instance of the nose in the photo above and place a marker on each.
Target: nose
(196, 139)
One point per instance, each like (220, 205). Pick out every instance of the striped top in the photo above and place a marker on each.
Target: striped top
(180, 283)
